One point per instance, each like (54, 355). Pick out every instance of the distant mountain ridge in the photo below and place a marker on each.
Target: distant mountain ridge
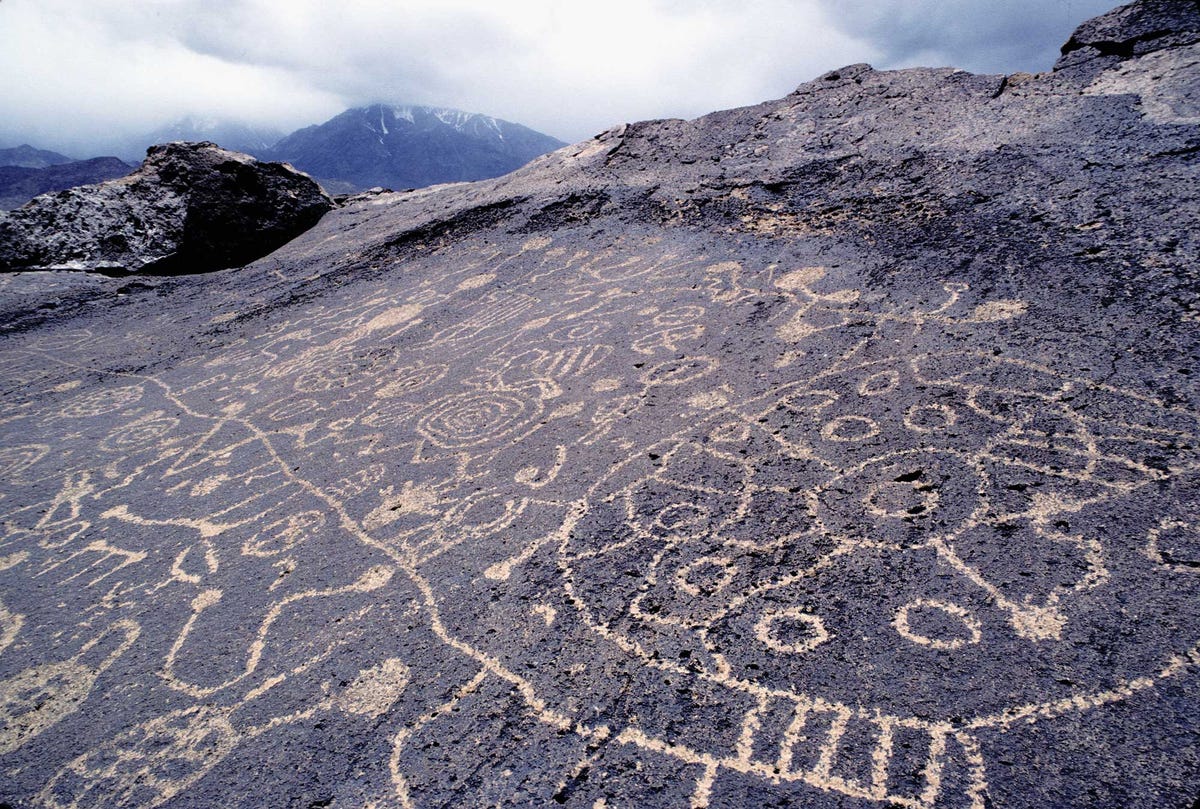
(234, 135)
(27, 157)
(394, 146)
(410, 146)
(19, 184)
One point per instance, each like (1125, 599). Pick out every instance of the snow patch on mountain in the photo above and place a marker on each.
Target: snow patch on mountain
(410, 146)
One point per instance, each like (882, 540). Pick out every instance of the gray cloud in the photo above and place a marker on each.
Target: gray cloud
(984, 36)
(79, 74)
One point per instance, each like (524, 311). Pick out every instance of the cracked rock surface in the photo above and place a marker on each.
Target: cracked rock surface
(839, 451)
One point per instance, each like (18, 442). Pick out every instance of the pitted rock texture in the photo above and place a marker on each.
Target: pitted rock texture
(840, 451)
(1134, 30)
(191, 207)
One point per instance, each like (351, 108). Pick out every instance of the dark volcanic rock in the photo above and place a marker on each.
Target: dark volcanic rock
(839, 451)
(191, 207)
(18, 185)
(1134, 30)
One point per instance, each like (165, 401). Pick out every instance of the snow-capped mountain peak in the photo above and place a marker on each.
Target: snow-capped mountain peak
(409, 145)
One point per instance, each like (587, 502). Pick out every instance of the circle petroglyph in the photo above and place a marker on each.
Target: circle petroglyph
(139, 434)
(794, 475)
(404, 381)
(678, 373)
(790, 631)
(850, 428)
(929, 418)
(1175, 544)
(477, 417)
(879, 384)
(967, 631)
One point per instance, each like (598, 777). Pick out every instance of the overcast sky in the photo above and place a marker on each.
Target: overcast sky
(78, 75)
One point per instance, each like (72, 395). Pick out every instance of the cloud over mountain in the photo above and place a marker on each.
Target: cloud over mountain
(93, 71)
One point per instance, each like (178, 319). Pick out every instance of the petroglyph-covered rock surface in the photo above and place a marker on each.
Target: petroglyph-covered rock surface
(839, 451)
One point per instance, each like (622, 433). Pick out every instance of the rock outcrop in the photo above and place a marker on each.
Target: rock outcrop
(1134, 30)
(191, 207)
(839, 451)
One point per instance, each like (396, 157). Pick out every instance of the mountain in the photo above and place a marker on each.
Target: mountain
(837, 451)
(18, 185)
(410, 147)
(27, 157)
(233, 135)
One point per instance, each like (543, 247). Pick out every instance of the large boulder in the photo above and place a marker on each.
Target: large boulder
(1133, 30)
(191, 207)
